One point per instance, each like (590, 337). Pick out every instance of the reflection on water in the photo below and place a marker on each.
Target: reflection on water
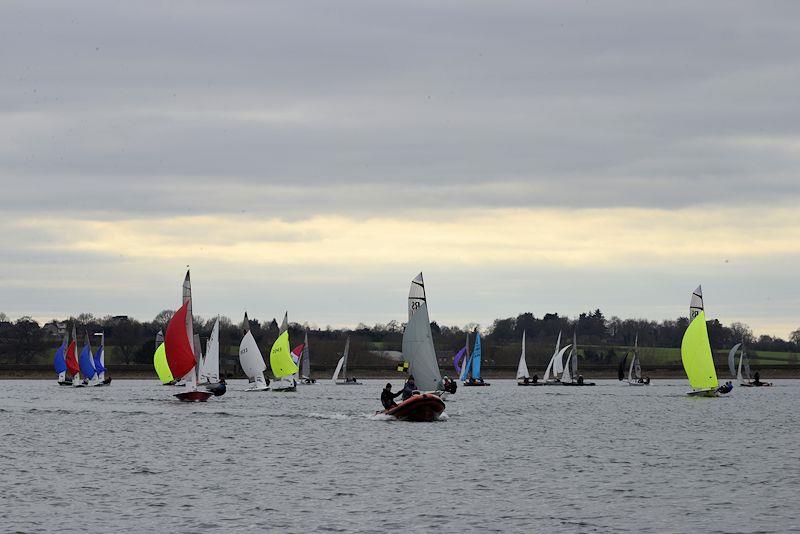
(612, 458)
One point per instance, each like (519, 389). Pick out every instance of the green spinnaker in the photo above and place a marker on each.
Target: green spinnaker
(161, 365)
(280, 358)
(696, 355)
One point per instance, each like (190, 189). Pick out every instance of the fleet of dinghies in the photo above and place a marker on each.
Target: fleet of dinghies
(179, 360)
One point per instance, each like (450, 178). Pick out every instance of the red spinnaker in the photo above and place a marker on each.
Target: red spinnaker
(72, 359)
(180, 356)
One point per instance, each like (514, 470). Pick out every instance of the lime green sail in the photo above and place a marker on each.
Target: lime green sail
(696, 355)
(160, 361)
(280, 358)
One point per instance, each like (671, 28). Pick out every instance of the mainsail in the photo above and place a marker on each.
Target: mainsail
(72, 355)
(250, 357)
(60, 360)
(466, 363)
(621, 370)
(558, 363)
(305, 363)
(280, 357)
(85, 361)
(160, 360)
(522, 367)
(100, 358)
(418, 349)
(211, 360)
(732, 362)
(696, 349)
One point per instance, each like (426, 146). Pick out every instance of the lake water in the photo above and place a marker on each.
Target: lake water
(613, 458)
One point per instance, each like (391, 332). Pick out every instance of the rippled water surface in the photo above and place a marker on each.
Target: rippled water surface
(613, 458)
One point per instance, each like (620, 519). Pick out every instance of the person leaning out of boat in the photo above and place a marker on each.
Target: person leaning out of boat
(449, 385)
(409, 388)
(387, 397)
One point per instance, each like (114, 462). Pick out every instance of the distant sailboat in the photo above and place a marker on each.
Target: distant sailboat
(474, 377)
(743, 374)
(251, 360)
(341, 367)
(305, 363)
(555, 365)
(100, 362)
(280, 360)
(160, 361)
(635, 369)
(60, 361)
(523, 376)
(570, 376)
(86, 363)
(73, 367)
(463, 371)
(210, 375)
(179, 343)
(696, 351)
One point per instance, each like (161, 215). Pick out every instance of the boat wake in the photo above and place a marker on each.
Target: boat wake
(333, 416)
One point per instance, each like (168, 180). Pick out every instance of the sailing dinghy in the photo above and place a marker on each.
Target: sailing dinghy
(555, 365)
(100, 362)
(304, 361)
(474, 378)
(341, 367)
(418, 350)
(635, 369)
(696, 351)
(281, 362)
(743, 375)
(251, 360)
(570, 376)
(60, 361)
(73, 367)
(86, 363)
(182, 357)
(523, 376)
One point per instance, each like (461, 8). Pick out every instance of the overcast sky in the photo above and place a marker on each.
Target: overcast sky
(314, 156)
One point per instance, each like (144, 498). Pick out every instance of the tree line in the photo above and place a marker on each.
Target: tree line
(130, 341)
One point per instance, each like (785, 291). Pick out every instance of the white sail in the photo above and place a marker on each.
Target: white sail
(211, 360)
(558, 363)
(732, 361)
(566, 376)
(335, 376)
(344, 357)
(556, 360)
(574, 358)
(522, 367)
(696, 304)
(418, 349)
(250, 357)
(190, 381)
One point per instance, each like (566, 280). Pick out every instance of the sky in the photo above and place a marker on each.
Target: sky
(313, 157)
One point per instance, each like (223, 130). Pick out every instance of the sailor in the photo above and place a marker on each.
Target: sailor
(535, 378)
(757, 379)
(409, 387)
(580, 380)
(387, 397)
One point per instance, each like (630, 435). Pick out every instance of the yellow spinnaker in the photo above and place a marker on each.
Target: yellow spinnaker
(280, 358)
(696, 355)
(161, 365)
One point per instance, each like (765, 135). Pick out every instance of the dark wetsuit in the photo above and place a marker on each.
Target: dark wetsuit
(387, 398)
(408, 390)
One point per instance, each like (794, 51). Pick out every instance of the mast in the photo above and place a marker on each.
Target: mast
(346, 350)
(187, 298)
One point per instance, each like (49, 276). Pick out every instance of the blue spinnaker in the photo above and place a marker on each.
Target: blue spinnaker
(60, 362)
(98, 361)
(457, 359)
(86, 363)
(476, 358)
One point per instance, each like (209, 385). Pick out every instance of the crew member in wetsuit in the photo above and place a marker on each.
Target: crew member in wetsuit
(756, 379)
(387, 397)
(580, 380)
(409, 387)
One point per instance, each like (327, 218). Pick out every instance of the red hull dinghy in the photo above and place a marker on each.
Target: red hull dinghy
(424, 407)
(194, 396)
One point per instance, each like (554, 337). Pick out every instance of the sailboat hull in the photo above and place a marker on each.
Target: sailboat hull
(422, 408)
(577, 384)
(476, 384)
(351, 383)
(193, 396)
(530, 383)
(703, 393)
